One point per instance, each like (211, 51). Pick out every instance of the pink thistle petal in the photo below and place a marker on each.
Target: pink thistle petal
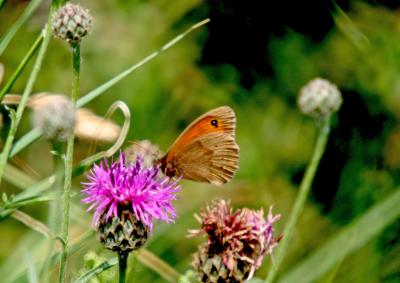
(113, 185)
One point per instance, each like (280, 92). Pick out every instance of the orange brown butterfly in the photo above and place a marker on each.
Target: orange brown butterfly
(206, 151)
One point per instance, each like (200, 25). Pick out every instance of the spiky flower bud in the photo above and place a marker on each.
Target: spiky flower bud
(237, 242)
(319, 99)
(123, 233)
(71, 23)
(54, 116)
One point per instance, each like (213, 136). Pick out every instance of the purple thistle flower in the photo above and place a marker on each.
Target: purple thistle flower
(116, 185)
(237, 242)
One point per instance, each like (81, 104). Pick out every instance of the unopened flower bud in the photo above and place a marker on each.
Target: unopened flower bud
(54, 115)
(122, 233)
(319, 99)
(71, 23)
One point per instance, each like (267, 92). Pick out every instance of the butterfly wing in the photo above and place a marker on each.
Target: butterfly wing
(206, 150)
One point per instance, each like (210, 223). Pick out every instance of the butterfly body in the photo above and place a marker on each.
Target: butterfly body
(206, 150)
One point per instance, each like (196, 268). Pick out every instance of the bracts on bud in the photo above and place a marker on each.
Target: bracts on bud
(71, 23)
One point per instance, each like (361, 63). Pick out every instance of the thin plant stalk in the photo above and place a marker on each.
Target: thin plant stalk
(25, 96)
(76, 63)
(28, 56)
(54, 207)
(122, 263)
(300, 201)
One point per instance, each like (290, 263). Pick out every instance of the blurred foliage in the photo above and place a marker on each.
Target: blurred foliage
(360, 54)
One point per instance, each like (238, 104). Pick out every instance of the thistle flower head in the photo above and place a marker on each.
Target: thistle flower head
(113, 188)
(319, 99)
(237, 242)
(71, 23)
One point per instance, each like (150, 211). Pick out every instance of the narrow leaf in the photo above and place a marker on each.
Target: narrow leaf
(97, 270)
(33, 5)
(351, 238)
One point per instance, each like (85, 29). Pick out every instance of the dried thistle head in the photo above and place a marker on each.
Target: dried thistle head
(237, 242)
(54, 115)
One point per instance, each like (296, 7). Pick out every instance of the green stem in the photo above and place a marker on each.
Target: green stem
(25, 96)
(21, 66)
(301, 199)
(54, 207)
(76, 59)
(122, 259)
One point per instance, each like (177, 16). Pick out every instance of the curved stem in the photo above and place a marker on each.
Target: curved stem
(76, 59)
(299, 204)
(122, 260)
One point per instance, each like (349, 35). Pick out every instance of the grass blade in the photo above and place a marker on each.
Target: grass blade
(97, 270)
(32, 223)
(351, 238)
(33, 5)
(28, 56)
(158, 265)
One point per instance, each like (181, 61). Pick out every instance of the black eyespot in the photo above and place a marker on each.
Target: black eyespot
(214, 123)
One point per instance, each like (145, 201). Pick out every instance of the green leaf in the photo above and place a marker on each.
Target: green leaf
(33, 5)
(351, 238)
(97, 270)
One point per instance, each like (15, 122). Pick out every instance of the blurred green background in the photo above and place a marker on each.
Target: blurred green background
(254, 57)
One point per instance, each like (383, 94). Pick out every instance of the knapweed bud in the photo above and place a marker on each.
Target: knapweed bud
(71, 23)
(319, 99)
(237, 242)
(123, 233)
(126, 198)
(54, 116)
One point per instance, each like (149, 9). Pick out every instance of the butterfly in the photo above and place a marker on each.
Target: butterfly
(206, 151)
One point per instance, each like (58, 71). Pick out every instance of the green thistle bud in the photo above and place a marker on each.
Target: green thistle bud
(319, 99)
(54, 115)
(71, 23)
(123, 233)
